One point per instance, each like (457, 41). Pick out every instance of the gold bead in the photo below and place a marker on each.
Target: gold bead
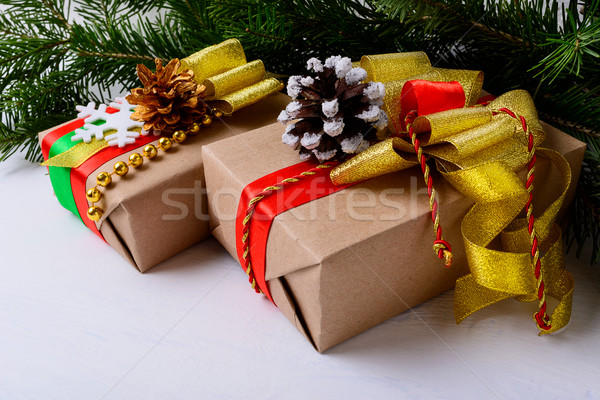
(179, 136)
(217, 113)
(194, 129)
(206, 121)
(165, 143)
(95, 213)
(121, 168)
(150, 151)
(103, 179)
(93, 195)
(136, 160)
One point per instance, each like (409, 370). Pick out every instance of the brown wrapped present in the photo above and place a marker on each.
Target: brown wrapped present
(161, 208)
(341, 264)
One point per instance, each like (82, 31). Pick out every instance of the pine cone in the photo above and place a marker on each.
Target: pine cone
(169, 100)
(335, 114)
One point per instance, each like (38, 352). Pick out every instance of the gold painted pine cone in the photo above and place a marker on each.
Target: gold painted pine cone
(169, 100)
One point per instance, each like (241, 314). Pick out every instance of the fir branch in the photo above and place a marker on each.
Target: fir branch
(503, 35)
(122, 56)
(582, 40)
(428, 12)
(194, 13)
(265, 36)
(57, 13)
(570, 125)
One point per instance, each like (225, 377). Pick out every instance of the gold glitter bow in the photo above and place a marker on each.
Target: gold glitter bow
(231, 82)
(479, 151)
(395, 69)
(458, 139)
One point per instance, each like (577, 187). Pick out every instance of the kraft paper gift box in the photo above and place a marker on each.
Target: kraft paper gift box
(341, 264)
(161, 208)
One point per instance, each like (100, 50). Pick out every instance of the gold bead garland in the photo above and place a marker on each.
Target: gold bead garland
(121, 168)
(207, 120)
(179, 136)
(94, 195)
(136, 160)
(150, 152)
(194, 130)
(103, 179)
(165, 143)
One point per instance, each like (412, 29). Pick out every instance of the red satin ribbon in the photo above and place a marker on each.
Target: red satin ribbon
(486, 99)
(56, 134)
(307, 189)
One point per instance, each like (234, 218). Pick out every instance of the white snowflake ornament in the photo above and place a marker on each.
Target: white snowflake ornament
(86, 111)
(122, 103)
(119, 121)
(90, 115)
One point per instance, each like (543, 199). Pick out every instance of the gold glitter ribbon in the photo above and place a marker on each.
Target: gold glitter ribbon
(80, 153)
(395, 69)
(76, 155)
(500, 274)
(231, 82)
(478, 152)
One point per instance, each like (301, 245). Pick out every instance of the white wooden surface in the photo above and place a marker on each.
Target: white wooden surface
(78, 322)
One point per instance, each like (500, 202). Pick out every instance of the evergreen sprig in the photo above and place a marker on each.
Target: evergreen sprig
(50, 61)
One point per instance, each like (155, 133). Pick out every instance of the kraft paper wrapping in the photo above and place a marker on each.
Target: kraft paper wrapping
(334, 275)
(161, 208)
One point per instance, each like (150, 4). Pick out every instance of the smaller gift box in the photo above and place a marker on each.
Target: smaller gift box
(161, 209)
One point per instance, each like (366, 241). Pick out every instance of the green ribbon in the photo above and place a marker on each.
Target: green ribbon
(61, 176)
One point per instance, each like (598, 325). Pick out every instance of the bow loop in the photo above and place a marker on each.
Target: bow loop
(444, 125)
(231, 82)
(394, 70)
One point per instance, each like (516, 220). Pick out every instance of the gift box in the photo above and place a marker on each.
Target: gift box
(161, 209)
(341, 264)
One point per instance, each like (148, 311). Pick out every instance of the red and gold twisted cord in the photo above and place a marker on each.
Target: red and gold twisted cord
(440, 246)
(541, 317)
(247, 264)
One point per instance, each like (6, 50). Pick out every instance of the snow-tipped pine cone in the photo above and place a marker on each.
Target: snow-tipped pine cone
(333, 114)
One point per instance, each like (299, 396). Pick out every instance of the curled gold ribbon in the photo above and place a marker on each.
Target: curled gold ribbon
(478, 151)
(500, 274)
(231, 82)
